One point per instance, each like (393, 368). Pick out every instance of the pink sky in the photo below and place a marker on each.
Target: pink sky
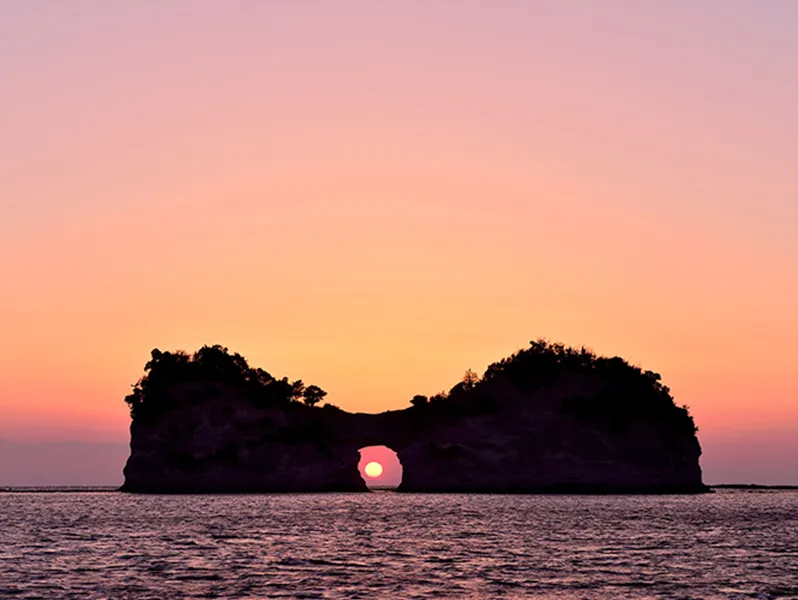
(374, 197)
(391, 475)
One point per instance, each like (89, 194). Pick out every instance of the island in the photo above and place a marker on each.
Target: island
(548, 419)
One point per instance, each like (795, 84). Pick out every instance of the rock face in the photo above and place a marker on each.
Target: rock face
(548, 419)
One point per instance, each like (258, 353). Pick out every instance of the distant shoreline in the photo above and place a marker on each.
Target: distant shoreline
(110, 489)
(32, 489)
(751, 486)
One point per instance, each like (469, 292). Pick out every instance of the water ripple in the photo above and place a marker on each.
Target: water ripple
(732, 545)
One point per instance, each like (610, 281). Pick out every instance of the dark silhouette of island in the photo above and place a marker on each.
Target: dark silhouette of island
(548, 419)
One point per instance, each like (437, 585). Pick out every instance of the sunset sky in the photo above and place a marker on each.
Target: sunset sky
(375, 196)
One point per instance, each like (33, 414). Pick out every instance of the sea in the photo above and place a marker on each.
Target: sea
(104, 544)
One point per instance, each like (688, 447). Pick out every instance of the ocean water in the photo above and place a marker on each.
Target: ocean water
(92, 545)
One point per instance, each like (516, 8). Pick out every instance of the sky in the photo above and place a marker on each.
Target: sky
(391, 475)
(375, 197)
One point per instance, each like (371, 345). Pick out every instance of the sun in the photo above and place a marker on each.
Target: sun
(373, 469)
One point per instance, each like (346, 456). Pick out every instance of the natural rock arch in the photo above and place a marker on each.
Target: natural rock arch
(546, 419)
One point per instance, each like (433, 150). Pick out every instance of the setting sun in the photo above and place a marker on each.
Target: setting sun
(373, 469)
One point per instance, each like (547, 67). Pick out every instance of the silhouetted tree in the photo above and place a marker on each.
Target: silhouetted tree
(470, 380)
(261, 377)
(313, 394)
(621, 392)
(419, 400)
(172, 379)
(297, 389)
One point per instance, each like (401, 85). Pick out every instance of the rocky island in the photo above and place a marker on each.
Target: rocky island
(546, 419)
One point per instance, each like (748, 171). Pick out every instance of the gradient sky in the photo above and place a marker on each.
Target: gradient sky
(375, 196)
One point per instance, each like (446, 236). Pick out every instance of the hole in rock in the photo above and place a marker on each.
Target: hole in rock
(380, 468)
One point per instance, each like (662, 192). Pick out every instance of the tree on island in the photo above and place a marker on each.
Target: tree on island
(419, 400)
(470, 380)
(297, 390)
(624, 391)
(619, 392)
(174, 379)
(313, 394)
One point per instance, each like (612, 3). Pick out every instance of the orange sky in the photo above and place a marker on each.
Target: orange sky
(375, 198)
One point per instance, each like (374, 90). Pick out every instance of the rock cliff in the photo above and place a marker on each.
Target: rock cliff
(547, 419)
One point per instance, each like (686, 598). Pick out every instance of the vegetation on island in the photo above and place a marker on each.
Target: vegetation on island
(200, 372)
(614, 392)
(625, 392)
